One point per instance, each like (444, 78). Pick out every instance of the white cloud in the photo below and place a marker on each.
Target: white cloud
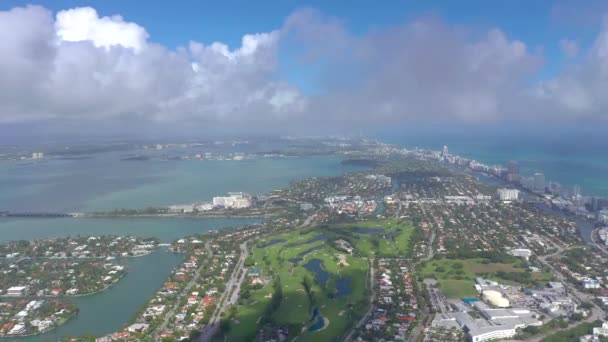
(80, 67)
(83, 24)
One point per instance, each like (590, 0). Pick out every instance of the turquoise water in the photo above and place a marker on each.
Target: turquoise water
(566, 157)
(110, 310)
(105, 182)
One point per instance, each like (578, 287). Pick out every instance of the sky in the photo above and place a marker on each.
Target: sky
(191, 67)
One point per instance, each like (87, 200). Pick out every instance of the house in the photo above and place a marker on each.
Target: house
(138, 327)
(254, 272)
(16, 291)
(207, 300)
(17, 329)
(56, 291)
(7, 327)
(590, 283)
(344, 246)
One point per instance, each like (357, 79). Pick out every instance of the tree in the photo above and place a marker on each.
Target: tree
(194, 334)
(224, 326)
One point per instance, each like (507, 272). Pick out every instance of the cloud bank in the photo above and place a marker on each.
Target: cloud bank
(77, 67)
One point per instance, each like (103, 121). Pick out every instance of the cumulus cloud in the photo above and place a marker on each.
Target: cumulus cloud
(80, 67)
(83, 24)
(421, 70)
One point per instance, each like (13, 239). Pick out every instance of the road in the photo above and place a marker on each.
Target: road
(184, 293)
(229, 297)
(372, 299)
(308, 221)
(208, 331)
(596, 312)
(222, 303)
(425, 317)
(600, 246)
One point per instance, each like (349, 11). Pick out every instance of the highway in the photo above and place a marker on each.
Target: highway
(230, 296)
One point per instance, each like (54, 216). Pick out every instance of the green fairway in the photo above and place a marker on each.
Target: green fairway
(379, 238)
(285, 257)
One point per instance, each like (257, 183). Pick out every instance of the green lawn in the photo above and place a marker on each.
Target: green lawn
(457, 288)
(456, 276)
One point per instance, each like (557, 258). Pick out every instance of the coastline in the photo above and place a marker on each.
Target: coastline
(55, 326)
(493, 180)
(169, 216)
(70, 296)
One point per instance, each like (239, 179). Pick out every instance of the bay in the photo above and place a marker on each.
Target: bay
(104, 182)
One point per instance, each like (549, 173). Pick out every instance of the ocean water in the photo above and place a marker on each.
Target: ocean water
(565, 157)
(104, 182)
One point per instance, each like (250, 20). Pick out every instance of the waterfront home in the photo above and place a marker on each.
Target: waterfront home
(138, 327)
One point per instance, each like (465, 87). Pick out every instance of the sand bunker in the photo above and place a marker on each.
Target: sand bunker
(342, 260)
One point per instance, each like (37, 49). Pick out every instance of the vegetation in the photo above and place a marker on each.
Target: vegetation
(572, 334)
(456, 276)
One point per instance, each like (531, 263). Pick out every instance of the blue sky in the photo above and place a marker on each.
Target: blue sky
(386, 63)
(174, 23)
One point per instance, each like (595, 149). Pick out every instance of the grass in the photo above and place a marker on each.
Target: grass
(295, 309)
(379, 245)
(452, 288)
(456, 276)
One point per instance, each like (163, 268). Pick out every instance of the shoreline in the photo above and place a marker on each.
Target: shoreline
(169, 216)
(71, 296)
(67, 319)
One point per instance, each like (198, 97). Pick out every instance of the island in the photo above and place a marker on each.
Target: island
(417, 245)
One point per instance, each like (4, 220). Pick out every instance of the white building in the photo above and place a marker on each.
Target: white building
(523, 253)
(591, 283)
(16, 291)
(306, 206)
(508, 194)
(597, 333)
(185, 208)
(138, 327)
(17, 329)
(235, 200)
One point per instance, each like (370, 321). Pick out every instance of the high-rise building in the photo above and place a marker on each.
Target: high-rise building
(595, 203)
(513, 171)
(508, 194)
(445, 150)
(576, 191)
(555, 188)
(539, 181)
